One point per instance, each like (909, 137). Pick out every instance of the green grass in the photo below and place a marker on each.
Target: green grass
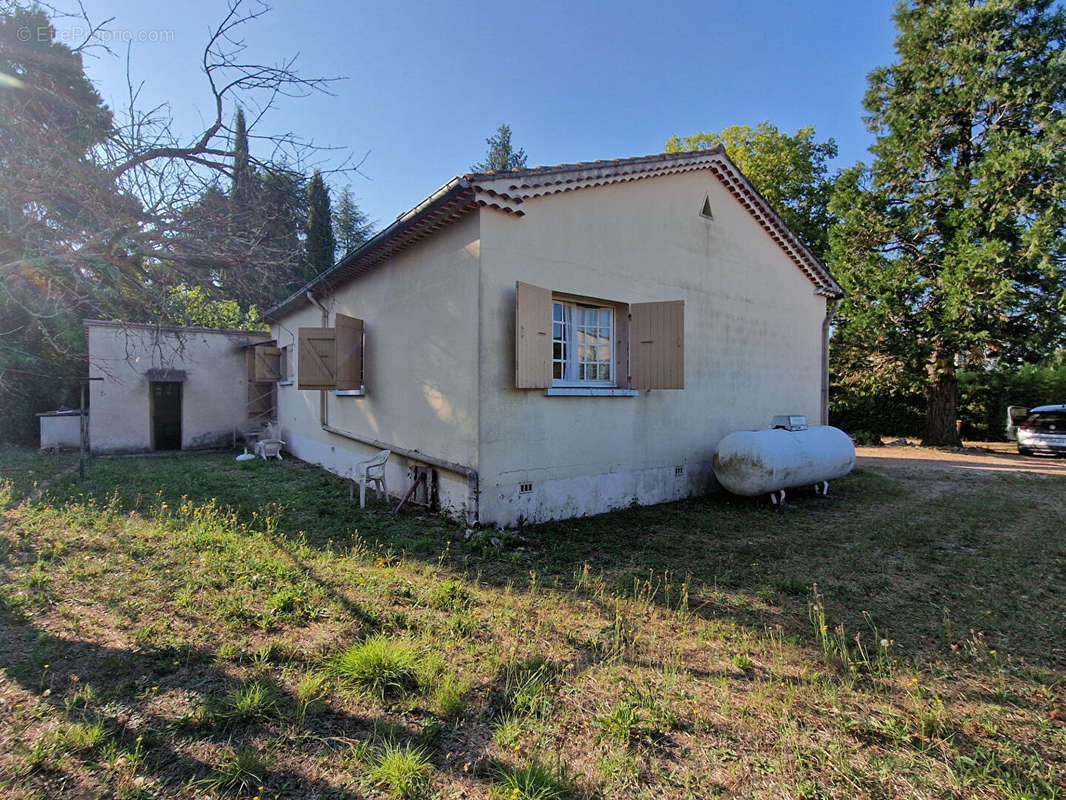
(402, 771)
(533, 782)
(190, 623)
(241, 771)
(381, 666)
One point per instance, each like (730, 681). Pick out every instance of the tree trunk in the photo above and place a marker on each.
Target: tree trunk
(942, 402)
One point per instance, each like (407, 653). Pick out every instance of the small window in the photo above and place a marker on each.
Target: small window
(582, 345)
(286, 365)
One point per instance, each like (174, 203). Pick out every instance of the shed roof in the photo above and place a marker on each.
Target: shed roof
(509, 191)
(163, 328)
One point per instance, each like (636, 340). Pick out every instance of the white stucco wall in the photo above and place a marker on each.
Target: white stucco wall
(420, 315)
(752, 345)
(214, 393)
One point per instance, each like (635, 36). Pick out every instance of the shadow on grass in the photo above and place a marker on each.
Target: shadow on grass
(979, 558)
(127, 683)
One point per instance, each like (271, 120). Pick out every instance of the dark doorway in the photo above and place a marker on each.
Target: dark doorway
(166, 415)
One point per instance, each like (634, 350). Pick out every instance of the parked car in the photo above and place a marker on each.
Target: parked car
(1038, 430)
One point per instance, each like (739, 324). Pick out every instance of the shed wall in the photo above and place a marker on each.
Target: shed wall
(214, 392)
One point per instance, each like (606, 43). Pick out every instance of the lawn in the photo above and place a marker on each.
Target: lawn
(194, 627)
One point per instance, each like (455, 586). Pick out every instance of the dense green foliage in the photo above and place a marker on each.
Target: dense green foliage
(194, 305)
(790, 171)
(501, 155)
(951, 245)
(984, 395)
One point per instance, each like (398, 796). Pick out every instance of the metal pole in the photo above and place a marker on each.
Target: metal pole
(83, 456)
(83, 429)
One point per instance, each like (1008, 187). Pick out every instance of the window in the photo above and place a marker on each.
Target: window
(582, 344)
(575, 345)
(286, 366)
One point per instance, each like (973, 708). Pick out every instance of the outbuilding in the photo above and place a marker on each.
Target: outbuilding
(555, 342)
(172, 388)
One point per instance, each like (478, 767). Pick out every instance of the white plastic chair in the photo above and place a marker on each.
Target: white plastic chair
(269, 448)
(370, 471)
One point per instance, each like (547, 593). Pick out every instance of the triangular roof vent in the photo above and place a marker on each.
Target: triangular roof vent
(706, 211)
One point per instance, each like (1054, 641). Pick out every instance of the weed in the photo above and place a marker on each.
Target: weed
(742, 661)
(450, 595)
(238, 772)
(451, 696)
(293, 604)
(381, 666)
(37, 579)
(250, 701)
(850, 658)
(535, 781)
(7, 495)
(508, 731)
(311, 693)
(622, 724)
(75, 737)
(402, 770)
(526, 686)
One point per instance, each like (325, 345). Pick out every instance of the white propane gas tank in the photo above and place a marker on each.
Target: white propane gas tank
(763, 462)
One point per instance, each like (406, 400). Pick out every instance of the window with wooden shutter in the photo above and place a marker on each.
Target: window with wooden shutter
(533, 340)
(316, 358)
(349, 352)
(657, 345)
(267, 363)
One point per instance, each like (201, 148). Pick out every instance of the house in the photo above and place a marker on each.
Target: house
(172, 388)
(560, 341)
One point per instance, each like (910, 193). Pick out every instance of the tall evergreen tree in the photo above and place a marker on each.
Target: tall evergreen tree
(952, 245)
(320, 245)
(244, 178)
(351, 225)
(501, 155)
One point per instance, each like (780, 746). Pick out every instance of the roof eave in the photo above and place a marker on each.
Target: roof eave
(404, 222)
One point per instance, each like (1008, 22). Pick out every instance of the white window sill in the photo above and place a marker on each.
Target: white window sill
(589, 391)
(349, 393)
(284, 383)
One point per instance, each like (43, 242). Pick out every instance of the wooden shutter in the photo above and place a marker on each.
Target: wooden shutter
(267, 363)
(349, 352)
(316, 359)
(533, 341)
(657, 345)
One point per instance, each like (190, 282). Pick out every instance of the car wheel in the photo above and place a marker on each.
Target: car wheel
(1024, 451)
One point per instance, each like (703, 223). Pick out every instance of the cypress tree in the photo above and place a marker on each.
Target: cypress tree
(320, 245)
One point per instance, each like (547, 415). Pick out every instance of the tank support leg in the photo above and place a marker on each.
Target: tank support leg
(821, 488)
(778, 497)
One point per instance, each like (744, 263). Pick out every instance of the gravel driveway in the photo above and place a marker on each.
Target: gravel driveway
(940, 471)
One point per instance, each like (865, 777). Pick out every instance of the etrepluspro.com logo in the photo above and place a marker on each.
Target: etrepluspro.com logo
(76, 35)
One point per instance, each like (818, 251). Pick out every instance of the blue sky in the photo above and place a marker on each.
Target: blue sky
(576, 81)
